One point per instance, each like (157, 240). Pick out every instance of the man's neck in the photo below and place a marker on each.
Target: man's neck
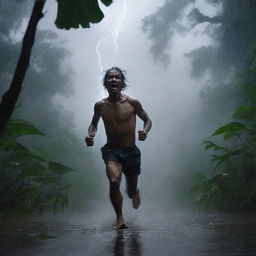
(115, 97)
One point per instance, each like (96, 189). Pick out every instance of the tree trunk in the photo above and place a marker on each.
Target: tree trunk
(11, 96)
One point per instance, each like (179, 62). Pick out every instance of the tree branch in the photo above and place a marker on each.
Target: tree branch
(198, 17)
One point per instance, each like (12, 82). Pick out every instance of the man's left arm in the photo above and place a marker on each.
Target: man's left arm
(145, 118)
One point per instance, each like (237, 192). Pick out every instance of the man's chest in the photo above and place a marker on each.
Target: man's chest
(118, 112)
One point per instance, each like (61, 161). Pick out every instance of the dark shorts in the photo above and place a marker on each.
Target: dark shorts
(128, 157)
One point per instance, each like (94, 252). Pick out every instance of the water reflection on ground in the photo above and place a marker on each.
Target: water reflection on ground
(181, 234)
(127, 245)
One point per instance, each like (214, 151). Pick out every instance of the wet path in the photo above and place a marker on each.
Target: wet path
(180, 234)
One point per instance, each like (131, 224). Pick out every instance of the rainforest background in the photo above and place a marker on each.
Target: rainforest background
(192, 65)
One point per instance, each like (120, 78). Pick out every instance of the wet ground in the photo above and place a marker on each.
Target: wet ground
(174, 234)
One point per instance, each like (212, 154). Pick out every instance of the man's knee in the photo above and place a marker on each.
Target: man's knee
(114, 183)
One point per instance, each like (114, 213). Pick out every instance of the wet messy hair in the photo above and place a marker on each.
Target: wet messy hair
(123, 78)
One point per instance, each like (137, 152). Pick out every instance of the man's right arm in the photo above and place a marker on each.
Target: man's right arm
(93, 126)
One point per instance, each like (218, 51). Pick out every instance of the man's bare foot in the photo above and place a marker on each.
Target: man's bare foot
(120, 224)
(136, 200)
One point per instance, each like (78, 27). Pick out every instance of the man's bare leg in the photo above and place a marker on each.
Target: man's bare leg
(114, 174)
(132, 191)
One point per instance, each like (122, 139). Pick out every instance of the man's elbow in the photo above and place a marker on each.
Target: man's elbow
(150, 122)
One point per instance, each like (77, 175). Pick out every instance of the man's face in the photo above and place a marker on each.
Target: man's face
(114, 82)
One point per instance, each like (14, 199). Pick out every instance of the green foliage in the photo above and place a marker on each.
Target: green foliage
(45, 80)
(225, 191)
(231, 129)
(245, 112)
(72, 14)
(232, 186)
(209, 144)
(18, 128)
(208, 190)
(10, 145)
(29, 181)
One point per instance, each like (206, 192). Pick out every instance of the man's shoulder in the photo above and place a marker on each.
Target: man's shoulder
(135, 102)
(98, 105)
(129, 99)
(101, 102)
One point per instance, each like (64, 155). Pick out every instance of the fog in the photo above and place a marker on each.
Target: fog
(168, 93)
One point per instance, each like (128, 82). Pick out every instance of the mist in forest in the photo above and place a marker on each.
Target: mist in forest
(174, 56)
(164, 86)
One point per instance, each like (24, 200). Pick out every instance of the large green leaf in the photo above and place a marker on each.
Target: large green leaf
(18, 128)
(93, 11)
(75, 13)
(10, 145)
(58, 168)
(42, 153)
(230, 129)
(37, 169)
(25, 159)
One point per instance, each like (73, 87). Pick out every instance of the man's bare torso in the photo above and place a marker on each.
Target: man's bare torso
(119, 120)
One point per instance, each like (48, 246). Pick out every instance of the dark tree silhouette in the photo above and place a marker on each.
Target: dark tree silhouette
(10, 97)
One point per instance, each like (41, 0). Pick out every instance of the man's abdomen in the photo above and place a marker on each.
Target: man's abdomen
(121, 136)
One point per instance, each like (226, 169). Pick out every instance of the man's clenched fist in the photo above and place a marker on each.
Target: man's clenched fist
(89, 140)
(142, 135)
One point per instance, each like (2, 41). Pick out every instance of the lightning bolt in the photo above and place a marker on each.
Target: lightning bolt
(113, 35)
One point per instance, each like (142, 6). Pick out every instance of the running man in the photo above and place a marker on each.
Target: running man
(120, 154)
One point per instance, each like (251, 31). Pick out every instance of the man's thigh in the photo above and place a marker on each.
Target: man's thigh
(114, 171)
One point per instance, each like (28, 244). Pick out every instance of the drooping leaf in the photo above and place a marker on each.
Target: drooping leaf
(94, 12)
(75, 13)
(84, 17)
(209, 144)
(10, 145)
(107, 2)
(58, 168)
(230, 129)
(42, 153)
(37, 169)
(25, 159)
(18, 128)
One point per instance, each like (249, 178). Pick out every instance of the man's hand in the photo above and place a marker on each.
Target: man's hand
(142, 135)
(89, 140)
